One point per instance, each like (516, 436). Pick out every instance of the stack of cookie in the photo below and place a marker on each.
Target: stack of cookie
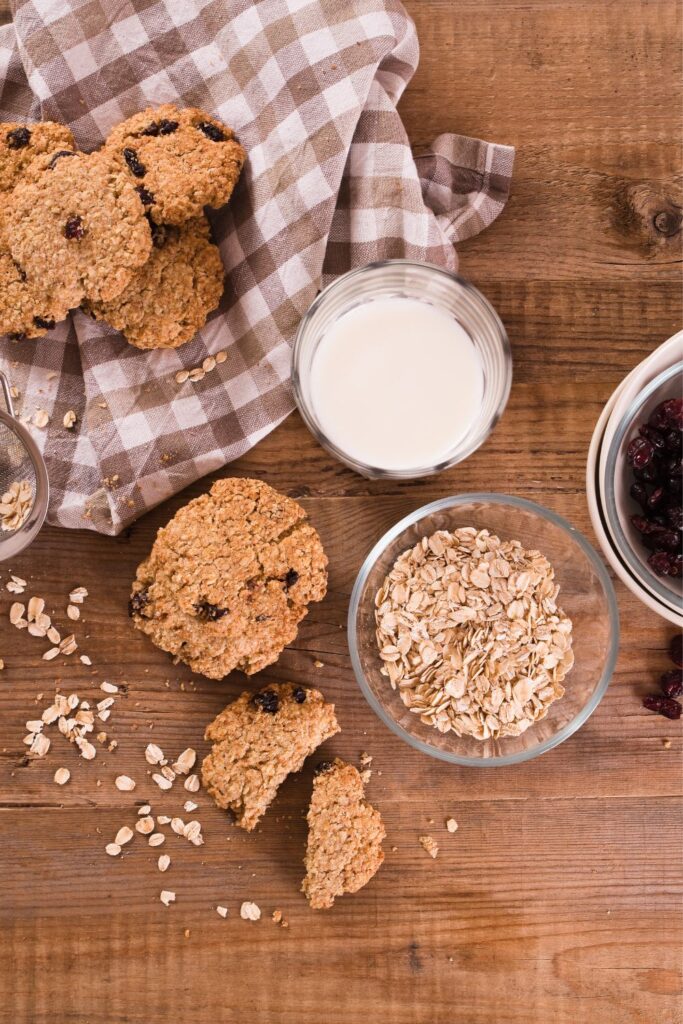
(120, 232)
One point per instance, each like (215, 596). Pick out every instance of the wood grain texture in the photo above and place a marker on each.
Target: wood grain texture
(559, 897)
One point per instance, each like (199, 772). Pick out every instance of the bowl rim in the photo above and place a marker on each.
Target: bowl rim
(453, 501)
(417, 472)
(647, 579)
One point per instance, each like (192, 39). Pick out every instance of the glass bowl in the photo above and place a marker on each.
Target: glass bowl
(617, 502)
(430, 284)
(586, 595)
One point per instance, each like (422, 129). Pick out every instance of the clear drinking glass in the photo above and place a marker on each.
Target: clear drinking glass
(450, 294)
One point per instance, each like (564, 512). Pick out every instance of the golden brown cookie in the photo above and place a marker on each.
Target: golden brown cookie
(79, 228)
(180, 161)
(27, 310)
(229, 579)
(169, 298)
(22, 144)
(258, 740)
(344, 848)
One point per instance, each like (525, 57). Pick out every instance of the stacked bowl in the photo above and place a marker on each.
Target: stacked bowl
(610, 479)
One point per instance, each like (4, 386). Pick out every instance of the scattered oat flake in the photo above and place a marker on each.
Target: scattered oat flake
(78, 595)
(223, 911)
(144, 810)
(181, 376)
(178, 826)
(73, 612)
(452, 825)
(429, 844)
(41, 418)
(164, 862)
(157, 839)
(123, 836)
(250, 911)
(277, 916)
(70, 419)
(221, 356)
(166, 897)
(319, 664)
(209, 364)
(153, 754)
(87, 750)
(109, 687)
(185, 761)
(192, 783)
(145, 825)
(40, 745)
(2, 664)
(113, 849)
(62, 776)
(124, 783)
(85, 660)
(190, 806)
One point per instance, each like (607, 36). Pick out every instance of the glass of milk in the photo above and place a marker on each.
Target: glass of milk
(401, 369)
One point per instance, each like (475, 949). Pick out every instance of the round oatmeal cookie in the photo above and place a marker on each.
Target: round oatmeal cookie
(79, 228)
(229, 579)
(180, 160)
(21, 145)
(26, 309)
(171, 295)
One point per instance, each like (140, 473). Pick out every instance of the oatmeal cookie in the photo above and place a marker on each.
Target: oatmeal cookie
(229, 579)
(79, 228)
(21, 145)
(27, 310)
(345, 834)
(180, 160)
(258, 740)
(170, 297)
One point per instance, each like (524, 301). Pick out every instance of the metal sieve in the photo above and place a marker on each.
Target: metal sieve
(24, 487)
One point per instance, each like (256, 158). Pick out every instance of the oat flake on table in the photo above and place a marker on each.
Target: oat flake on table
(470, 633)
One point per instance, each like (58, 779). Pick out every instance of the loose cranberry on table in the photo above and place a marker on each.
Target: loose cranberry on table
(655, 458)
(671, 684)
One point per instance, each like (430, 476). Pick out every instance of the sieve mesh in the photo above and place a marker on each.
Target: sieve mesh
(23, 482)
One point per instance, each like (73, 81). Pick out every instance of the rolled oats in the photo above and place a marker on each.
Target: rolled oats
(470, 633)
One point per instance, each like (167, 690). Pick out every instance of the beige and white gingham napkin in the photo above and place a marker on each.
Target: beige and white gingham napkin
(310, 87)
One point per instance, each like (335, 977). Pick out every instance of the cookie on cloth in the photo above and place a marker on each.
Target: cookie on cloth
(257, 741)
(180, 160)
(27, 310)
(22, 144)
(169, 298)
(345, 833)
(79, 228)
(230, 578)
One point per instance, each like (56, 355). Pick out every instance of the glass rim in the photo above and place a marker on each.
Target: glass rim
(589, 551)
(485, 429)
(638, 568)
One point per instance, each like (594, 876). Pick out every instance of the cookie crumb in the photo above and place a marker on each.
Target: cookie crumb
(250, 911)
(167, 897)
(223, 911)
(452, 825)
(429, 844)
(666, 743)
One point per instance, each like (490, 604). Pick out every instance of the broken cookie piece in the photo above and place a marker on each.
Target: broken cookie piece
(345, 835)
(229, 579)
(258, 740)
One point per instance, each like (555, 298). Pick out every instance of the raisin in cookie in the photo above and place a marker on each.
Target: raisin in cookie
(170, 297)
(229, 579)
(27, 310)
(345, 834)
(180, 160)
(22, 144)
(79, 228)
(257, 741)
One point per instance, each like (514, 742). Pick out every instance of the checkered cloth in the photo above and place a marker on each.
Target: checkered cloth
(310, 87)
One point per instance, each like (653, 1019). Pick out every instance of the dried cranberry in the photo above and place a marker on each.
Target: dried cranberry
(162, 233)
(673, 442)
(660, 563)
(74, 228)
(659, 418)
(58, 156)
(676, 566)
(673, 410)
(645, 525)
(673, 466)
(212, 131)
(663, 706)
(40, 321)
(146, 197)
(17, 336)
(657, 499)
(163, 127)
(134, 165)
(650, 474)
(639, 493)
(654, 436)
(674, 486)
(21, 273)
(267, 700)
(676, 650)
(139, 599)
(674, 516)
(324, 766)
(291, 578)
(18, 138)
(640, 452)
(299, 695)
(210, 612)
(671, 683)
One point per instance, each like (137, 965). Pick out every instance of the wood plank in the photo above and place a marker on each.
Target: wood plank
(558, 898)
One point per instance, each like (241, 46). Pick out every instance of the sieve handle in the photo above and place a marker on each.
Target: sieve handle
(7, 393)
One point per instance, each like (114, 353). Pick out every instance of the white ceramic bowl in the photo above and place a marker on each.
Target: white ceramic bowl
(596, 516)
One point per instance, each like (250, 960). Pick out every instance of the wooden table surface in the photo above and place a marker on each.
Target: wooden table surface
(558, 899)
